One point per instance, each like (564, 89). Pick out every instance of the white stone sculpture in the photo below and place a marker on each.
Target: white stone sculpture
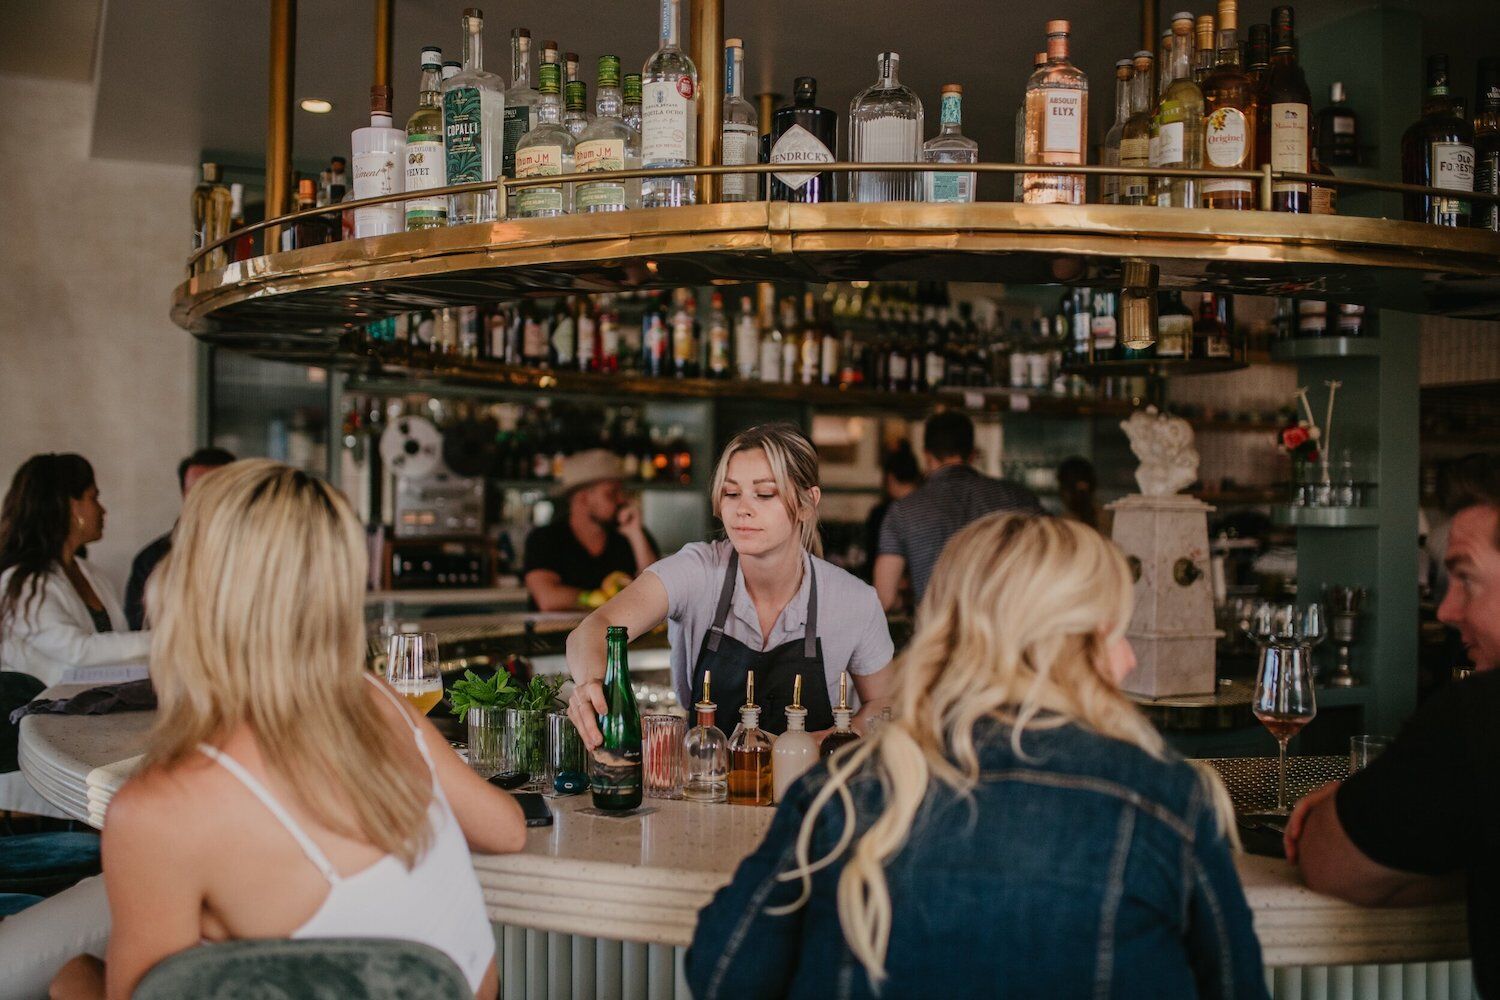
(1164, 445)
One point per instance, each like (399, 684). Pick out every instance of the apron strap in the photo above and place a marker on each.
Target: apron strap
(726, 599)
(810, 636)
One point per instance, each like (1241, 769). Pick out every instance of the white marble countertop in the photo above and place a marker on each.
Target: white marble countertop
(644, 877)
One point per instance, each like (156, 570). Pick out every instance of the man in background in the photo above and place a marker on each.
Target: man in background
(595, 535)
(955, 493)
(189, 471)
(899, 477)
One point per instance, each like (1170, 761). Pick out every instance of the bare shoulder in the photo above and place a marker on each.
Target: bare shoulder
(171, 805)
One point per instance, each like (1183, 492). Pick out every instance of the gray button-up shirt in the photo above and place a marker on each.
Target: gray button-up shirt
(851, 623)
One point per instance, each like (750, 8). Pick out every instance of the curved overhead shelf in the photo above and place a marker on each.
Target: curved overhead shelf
(296, 303)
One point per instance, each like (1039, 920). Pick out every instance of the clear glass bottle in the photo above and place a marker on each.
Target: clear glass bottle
(950, 145)
(707, 752)
(608, 143)
(1229, 105)
(379, 168)
(213, 206)
(1109, 186)
(575, 108)
(885, 126)
(669, 118)
(1177, 128)
(1057, 123)
(1037, 62)
(1135, 138)
(425, 164)
(719, 363)
(570, 68)
(741, 127)
(1203, 47)
(520, 104)
(544, 151)
(632, 97)
(795, 751)
(842, 734)
(473, 127)
(750, 782)
(746, 341)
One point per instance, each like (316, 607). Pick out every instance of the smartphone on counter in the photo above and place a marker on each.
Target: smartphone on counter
(534, 808)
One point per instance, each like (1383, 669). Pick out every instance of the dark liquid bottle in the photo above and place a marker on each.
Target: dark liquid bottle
(842, 734)
(1338, 131)
(1284, 119)
(802, 133)
(1438, 151)
(1487, 144)
(615, 771)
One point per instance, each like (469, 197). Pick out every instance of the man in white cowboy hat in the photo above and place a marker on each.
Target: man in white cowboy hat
(596, 541)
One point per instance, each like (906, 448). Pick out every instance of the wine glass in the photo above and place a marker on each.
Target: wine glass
(1284, 701)
(412, 669)
(1313, 628)
(1258, 625)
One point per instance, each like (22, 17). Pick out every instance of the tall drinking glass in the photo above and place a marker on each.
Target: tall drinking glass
(412, 669)
(665, 759)
(1284, 701)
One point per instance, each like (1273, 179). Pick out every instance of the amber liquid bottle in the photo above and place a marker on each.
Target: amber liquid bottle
(1229, 124)
(1438, 151)
(1057, 123)
(1284, 124)
(750, 779)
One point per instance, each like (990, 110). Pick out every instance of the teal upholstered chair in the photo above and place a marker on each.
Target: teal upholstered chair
(310, 969)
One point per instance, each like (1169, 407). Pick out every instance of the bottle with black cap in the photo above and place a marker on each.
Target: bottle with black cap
(803, 132)
(1438, 151)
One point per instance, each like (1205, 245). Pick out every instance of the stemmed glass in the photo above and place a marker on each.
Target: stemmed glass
(1284, 701)
(412, 669)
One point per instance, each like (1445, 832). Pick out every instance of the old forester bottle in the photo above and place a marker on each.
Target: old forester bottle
(615, 778)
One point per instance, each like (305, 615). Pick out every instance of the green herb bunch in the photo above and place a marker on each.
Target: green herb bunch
(473, 691)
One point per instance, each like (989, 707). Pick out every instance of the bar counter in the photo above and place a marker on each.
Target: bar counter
(587, 883)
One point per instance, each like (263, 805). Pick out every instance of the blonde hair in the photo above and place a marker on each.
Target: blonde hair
(794, 466)
(258, 621)
(1016, 623)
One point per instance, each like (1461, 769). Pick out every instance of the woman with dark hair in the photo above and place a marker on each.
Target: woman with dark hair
(56, 611)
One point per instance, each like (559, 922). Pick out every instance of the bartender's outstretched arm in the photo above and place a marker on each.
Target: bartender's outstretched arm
(640, 607)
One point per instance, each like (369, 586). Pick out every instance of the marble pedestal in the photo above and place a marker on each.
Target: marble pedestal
(1172, 629)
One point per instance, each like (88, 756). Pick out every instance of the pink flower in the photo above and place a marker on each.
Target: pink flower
(1293, 438)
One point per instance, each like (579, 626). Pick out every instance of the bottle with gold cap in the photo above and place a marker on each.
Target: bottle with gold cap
(750, 755)
(1229, 106)
(1203, 46)
(795, 750)
(842, 734)
(707, 753)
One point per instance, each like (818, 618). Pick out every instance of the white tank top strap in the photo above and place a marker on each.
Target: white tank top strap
(313, 852)
(416, 730)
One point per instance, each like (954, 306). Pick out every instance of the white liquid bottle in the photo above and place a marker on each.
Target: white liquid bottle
(795, 751)
(379, 168)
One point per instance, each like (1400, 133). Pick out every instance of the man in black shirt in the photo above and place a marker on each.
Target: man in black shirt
(189, 471)
(595, 533)
(1422, 822)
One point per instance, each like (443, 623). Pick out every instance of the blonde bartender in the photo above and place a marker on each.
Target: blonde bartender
(762, 599)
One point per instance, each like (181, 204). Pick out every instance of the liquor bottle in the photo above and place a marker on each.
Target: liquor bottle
(1438, 151)
(1018, 194)
(575, 108)
(791, 342)
(1163, 65)
(809, 347)
(451, 68)
(684, 342)
(1135, 138)
(609, 335)
(707, 753)
(379, 168)
(1258, 54)
(213, 206)
(750, 782)
(1104, 325)
(1057, 123)
(632, 95)
(669, 118)
(950, 145)
(1211, 336)
(550, 52)
(615, 778)
(545, 151)
(1323, 199)
(830, 353)
(1486, 214)
(795, 751)
(885, 126)
(309, 231)
(1338, 130)
(1229, 125)
(570, 68)
(720, 364)
(1177, 129)
(473, 127)
(741, 127)
(1285, 101)
(746, 343)
(803, 132)
(1203, 47)
(563, 339)
(607, 143)
(425, 161)
(934, 358)
(242, 247)
(1109, 185)
(842, 734)
(520, 105)
(656, 345)
(333, 181)
(1174, 328)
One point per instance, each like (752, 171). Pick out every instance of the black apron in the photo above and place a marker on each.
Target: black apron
(776, 669)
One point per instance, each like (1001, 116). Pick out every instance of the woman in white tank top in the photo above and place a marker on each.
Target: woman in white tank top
(285, 791)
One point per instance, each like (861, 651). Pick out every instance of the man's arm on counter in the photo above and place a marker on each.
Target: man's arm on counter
(549, 592)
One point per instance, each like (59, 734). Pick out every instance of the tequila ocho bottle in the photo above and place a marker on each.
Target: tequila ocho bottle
(615, 771)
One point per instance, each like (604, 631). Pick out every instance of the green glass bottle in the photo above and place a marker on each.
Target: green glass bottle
(615, 778)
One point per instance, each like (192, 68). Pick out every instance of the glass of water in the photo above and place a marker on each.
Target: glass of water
(1363, 749)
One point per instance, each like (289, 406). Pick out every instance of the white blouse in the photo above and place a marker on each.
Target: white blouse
(52, 631)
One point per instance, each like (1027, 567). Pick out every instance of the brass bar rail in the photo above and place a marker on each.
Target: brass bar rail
(1262, 178)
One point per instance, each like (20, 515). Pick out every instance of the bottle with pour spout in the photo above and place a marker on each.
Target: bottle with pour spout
(707, 753)
(795, 751)
(843, 734)
(750, 781)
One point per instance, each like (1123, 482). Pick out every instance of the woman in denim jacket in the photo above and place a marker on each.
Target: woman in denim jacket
(1019, 830)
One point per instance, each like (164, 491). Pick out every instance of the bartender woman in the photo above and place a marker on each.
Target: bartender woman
(760, 600)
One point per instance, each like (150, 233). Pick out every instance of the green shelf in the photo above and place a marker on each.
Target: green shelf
(1325, 517)
(1325, 347)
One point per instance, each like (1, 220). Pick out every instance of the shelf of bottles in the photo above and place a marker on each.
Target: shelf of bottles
(537, 196)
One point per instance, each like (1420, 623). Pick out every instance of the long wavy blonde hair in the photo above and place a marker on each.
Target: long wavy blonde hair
(794, 466)
(258, 621)
(1016, 624)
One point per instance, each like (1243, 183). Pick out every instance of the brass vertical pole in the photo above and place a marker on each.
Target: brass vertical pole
(766, 106)
(707, 53)
(1148, 26)
(385, 17)
(279, 116)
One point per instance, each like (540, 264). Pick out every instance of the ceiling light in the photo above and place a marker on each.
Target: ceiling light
(317, 105)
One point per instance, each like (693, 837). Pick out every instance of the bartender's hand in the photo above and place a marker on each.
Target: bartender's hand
(585, 706)
(628, 520)
(1298, 819)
